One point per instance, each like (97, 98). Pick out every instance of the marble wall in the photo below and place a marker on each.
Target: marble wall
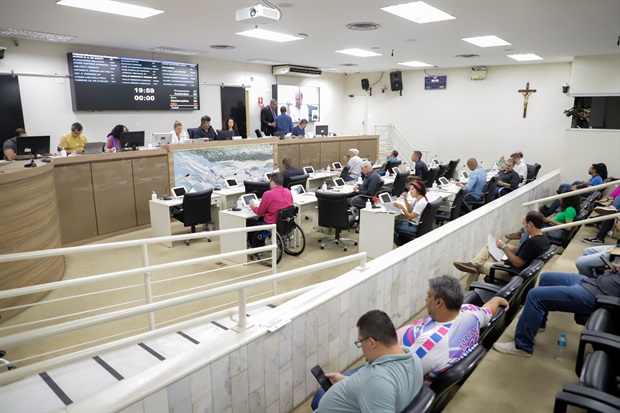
(260, 371)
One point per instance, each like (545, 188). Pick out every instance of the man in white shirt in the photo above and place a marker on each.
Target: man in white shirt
(520, 166)
(354, 164)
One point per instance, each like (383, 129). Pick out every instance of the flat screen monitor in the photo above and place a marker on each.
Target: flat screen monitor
(247, 198)
(160, 138)
(443, 181)
(339, 182)
(337, 165)
(321, 130)
(385, 198)
(225, 135)
(33, 145)
(308, 169)
(232, 182)
(132, 139)
(298, 190)
(435, 82)
(179, 191)
(302, 102)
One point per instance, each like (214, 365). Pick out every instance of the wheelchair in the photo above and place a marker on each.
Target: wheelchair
(290, 238)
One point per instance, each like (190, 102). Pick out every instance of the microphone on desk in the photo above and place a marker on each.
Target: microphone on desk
(166, 197)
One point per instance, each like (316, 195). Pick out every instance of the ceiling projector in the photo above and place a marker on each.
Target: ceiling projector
(258, 14)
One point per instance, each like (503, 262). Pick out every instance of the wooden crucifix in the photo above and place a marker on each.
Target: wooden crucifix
(526, 95)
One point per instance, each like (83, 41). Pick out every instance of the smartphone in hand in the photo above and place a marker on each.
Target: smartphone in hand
(319, 375)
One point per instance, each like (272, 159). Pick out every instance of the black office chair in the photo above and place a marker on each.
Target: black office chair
(334, 213)
(392, 165)
(400, 182)
(488, 195)
(532, 172)
(191, 132)
(258, 188)
(452, 165)
(455, 209)
(425, 225)
(258, 133)
(431, 176)
(422, 402)
(196, 210)
(443, 168)
(297, 180)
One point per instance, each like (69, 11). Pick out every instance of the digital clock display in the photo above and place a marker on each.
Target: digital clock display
(100, 82)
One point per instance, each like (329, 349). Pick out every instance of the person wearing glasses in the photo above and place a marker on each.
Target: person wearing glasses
(451, 329)
(389, 380)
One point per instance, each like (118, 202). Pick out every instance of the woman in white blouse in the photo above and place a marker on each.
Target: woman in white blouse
(178, 134)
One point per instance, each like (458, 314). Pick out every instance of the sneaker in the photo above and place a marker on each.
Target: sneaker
(545, 210)
(510, 348)
(593, 240)
(468, 267)
(514, 235)
(606, 210)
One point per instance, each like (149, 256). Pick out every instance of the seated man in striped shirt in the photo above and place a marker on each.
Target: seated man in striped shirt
(451, 330)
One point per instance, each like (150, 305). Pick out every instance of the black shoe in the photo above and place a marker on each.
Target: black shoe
(545, 210)
(593, 240)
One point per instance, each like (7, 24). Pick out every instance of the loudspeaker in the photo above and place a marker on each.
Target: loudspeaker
(396, 81)
(365, 84)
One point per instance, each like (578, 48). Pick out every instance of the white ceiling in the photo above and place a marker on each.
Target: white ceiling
(556, 30)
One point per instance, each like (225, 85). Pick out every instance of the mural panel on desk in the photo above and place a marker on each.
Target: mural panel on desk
(211, 166)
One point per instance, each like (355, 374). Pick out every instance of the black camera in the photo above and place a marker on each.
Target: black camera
(571, 112)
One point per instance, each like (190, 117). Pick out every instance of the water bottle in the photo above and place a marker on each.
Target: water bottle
(328, 168)
(559, 353)
(154, 196)
(368, 204)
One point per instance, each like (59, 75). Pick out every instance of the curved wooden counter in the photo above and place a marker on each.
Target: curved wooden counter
(28, 222)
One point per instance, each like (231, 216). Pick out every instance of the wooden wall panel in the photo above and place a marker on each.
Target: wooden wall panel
(149, 174)
(115, 203)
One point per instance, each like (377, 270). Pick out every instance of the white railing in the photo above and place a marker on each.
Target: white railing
(571, 193)
(110, 313)
(395, 139)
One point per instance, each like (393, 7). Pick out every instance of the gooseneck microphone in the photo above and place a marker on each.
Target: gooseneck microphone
(166, 197)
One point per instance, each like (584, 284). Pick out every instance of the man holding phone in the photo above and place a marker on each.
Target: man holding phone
(389, 380)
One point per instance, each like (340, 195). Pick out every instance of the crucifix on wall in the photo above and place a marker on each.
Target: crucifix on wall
(526, 95)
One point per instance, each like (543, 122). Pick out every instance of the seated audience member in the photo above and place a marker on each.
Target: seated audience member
(451, 330)
(388, 382)
(284, 123)
(300, 131)
(420, 170)
(74, 141)
(205, 130)
(569, 208)
(475, 183)
(10, 146)
(289, 170)
(354, 163)
(556, 291)
(231, 125)
(114, 139)
(598, 173)
(369, 187)
(507, 178)
(520, 166)
(590, 263)
(391, 158)
(606, 226)
(178, 134)
(272, 201)
(517, 257)
(407, 227)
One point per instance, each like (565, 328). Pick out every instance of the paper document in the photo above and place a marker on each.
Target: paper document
(493, 250)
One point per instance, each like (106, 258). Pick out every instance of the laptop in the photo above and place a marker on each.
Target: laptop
(178, 191)
(92, 148)
(231, 182)
(247, 198)
(337, 165)
(386, 202)
(308, 169)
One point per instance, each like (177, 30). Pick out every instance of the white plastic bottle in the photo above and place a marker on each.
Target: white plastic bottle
(324, 187)
(328, 168)
(154, 196)
(368, 204)
(559, 353)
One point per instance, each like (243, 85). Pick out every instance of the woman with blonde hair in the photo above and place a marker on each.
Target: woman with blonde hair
(178, 134)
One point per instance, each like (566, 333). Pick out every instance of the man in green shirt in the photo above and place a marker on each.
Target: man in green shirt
(389, 380)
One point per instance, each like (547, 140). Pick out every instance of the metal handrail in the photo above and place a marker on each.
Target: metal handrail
(581, 222)
(571, 193)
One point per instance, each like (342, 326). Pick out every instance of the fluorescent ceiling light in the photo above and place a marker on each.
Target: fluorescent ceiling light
(358, 52)
(30, 34)
(269, 35)
(486, 41)
(418, 12)
(414, 63)
(525, 57)
(114, 7)
(178, 50)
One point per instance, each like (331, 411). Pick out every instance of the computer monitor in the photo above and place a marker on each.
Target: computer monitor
(321, 130)
(132, 139)
(225, 135)
(160, 138)
(33, 145)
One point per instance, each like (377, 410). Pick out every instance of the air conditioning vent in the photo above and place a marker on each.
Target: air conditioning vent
(291, 70)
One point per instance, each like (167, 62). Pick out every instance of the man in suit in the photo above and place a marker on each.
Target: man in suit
(268, 118)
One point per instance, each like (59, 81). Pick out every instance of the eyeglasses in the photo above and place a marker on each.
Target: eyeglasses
(358, 343)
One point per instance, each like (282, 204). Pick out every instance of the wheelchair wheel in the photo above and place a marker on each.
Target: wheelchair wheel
(263, 238)
(295, 241)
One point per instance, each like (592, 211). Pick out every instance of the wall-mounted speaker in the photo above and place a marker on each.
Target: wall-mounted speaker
(365, 84)
(396, 81)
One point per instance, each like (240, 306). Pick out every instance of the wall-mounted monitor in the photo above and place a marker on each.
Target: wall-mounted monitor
(435, 82)
(302, 102)
(100, 82)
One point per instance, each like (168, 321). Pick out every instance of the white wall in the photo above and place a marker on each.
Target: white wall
(46, 100)
(596, 76)
(471, 118)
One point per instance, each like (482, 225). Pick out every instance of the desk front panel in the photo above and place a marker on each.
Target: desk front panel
(149, 174)
(114, 195)
(310, 155)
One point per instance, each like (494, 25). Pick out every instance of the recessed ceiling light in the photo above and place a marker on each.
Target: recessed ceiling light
(29, 34)
(178, 50)
(525, 57)
(222, 47)
(363, 26)
(269, 35)
(348, 64)
(358, 52)
(418, 12)
(114, 7)
(415, 63)
(486, 41)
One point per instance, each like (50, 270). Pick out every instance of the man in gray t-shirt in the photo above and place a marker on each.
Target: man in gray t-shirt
(389, 380)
